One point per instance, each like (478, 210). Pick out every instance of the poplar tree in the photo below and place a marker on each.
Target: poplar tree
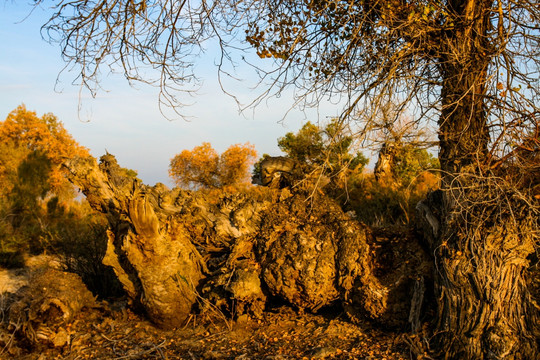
(470, 66)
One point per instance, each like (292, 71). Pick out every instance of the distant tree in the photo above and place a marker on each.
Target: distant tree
(328, 146)
(31, 187)
(32, 180)
(399, 163)
(22, 134)
(196, 168)
(412, 161)
(202, 167)
(306, 146)
(339, 152)
(322, 150)
(27, 203)
(234, 164)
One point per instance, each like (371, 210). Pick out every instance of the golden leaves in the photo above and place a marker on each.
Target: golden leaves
(202, 167)
(24, 132)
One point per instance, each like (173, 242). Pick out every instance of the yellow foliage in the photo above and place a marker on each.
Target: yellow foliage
(202, 167)
(235, 162)
(197, 166)
(24, 132)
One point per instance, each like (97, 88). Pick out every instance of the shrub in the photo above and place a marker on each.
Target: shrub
(80, 238)
(380, 203)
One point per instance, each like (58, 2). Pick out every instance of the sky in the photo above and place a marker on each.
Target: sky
(124, 120)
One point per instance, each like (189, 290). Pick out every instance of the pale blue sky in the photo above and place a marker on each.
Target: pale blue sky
(126, 121)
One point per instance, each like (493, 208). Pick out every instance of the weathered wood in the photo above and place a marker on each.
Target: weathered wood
(177, 251)
(41, 311)
(151, 253)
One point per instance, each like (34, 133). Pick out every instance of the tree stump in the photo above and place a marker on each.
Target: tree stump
(175, 250)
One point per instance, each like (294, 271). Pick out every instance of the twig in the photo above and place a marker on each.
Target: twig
(8, 344)
(145, 352)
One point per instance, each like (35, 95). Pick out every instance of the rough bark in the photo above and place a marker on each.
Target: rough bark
(486, 309)
(479, 241)
(463, 130)
(42, 310)
(152, 256)
(177, 252)
(278, 169)
(402, 269)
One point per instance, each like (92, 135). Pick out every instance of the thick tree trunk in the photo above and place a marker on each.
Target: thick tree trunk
(176, 251)
(480, 249)
(153, 257)
(463, 130)
(485, 310)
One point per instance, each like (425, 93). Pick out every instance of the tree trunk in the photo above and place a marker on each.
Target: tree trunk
(480, 248)
(153, 258)
(463, 131)
(177, 252)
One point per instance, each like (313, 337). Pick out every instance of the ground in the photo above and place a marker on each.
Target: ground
(110, 330)
(281, 334)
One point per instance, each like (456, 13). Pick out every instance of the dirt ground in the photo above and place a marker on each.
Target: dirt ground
(110, 330)
(280, 334)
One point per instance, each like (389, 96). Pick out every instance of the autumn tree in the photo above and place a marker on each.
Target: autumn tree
(25, 135)
(202, 167)
(33, 150)
(196, 168)
(234, 164)
(33, 184)
(469, 66)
